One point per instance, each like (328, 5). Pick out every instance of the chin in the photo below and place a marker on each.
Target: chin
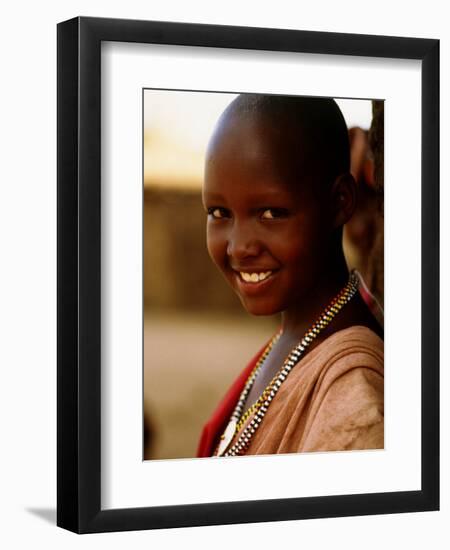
(260, 309)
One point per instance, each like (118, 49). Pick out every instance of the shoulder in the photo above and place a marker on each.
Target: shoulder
(354, 341)
(347, 405)
(341, 353)
(347, 349)
(352, 369)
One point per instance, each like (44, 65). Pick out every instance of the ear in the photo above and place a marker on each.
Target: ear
(343, 198)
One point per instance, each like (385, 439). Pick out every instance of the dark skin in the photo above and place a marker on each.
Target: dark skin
(269, 217)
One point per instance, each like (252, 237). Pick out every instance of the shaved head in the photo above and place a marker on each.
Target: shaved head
(308, 136)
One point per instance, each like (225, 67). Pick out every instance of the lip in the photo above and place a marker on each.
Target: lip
(252, 289)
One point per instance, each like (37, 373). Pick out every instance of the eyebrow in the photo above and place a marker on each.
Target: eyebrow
(259, 196)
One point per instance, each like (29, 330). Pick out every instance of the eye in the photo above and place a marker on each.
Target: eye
(218, 213)
(274, 213)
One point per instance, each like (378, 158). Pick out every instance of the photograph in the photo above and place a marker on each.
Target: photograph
(263, 278)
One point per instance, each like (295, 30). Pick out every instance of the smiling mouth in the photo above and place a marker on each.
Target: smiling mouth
(254, 283)
(254, 277)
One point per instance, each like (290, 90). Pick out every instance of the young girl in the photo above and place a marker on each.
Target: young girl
(277, 193)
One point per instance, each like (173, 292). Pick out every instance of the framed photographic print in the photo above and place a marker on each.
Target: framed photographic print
(225, 192)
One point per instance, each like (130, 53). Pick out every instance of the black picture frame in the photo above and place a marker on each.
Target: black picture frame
(79, 275)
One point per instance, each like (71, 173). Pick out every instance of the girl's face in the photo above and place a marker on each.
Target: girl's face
(266, 231)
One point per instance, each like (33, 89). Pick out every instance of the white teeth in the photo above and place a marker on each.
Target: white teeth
(254, 277)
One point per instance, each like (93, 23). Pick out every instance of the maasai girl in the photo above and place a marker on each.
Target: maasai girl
(277, 192)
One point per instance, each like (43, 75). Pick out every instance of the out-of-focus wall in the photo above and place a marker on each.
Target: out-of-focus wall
(178, 273)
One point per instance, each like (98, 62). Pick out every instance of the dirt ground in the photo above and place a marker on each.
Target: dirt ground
(190, 360)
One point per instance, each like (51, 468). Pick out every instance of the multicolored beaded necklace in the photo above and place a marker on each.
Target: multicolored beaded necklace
(259, 408)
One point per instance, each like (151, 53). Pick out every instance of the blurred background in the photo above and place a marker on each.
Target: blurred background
(197, 336)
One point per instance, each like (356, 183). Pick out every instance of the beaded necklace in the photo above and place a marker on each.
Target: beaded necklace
(259, 408)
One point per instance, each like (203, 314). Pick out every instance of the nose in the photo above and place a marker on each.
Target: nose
(242, 242)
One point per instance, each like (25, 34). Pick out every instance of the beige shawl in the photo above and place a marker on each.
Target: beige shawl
(331, 401)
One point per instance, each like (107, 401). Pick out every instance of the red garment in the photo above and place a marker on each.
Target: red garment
(368, 298)
(216, 425)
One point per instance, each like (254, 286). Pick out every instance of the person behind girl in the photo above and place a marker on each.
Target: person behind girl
(277, 192)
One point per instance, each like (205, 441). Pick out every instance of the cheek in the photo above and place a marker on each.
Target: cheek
(303, 242)
(290, 247)
(216, 246)
(299, 256)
